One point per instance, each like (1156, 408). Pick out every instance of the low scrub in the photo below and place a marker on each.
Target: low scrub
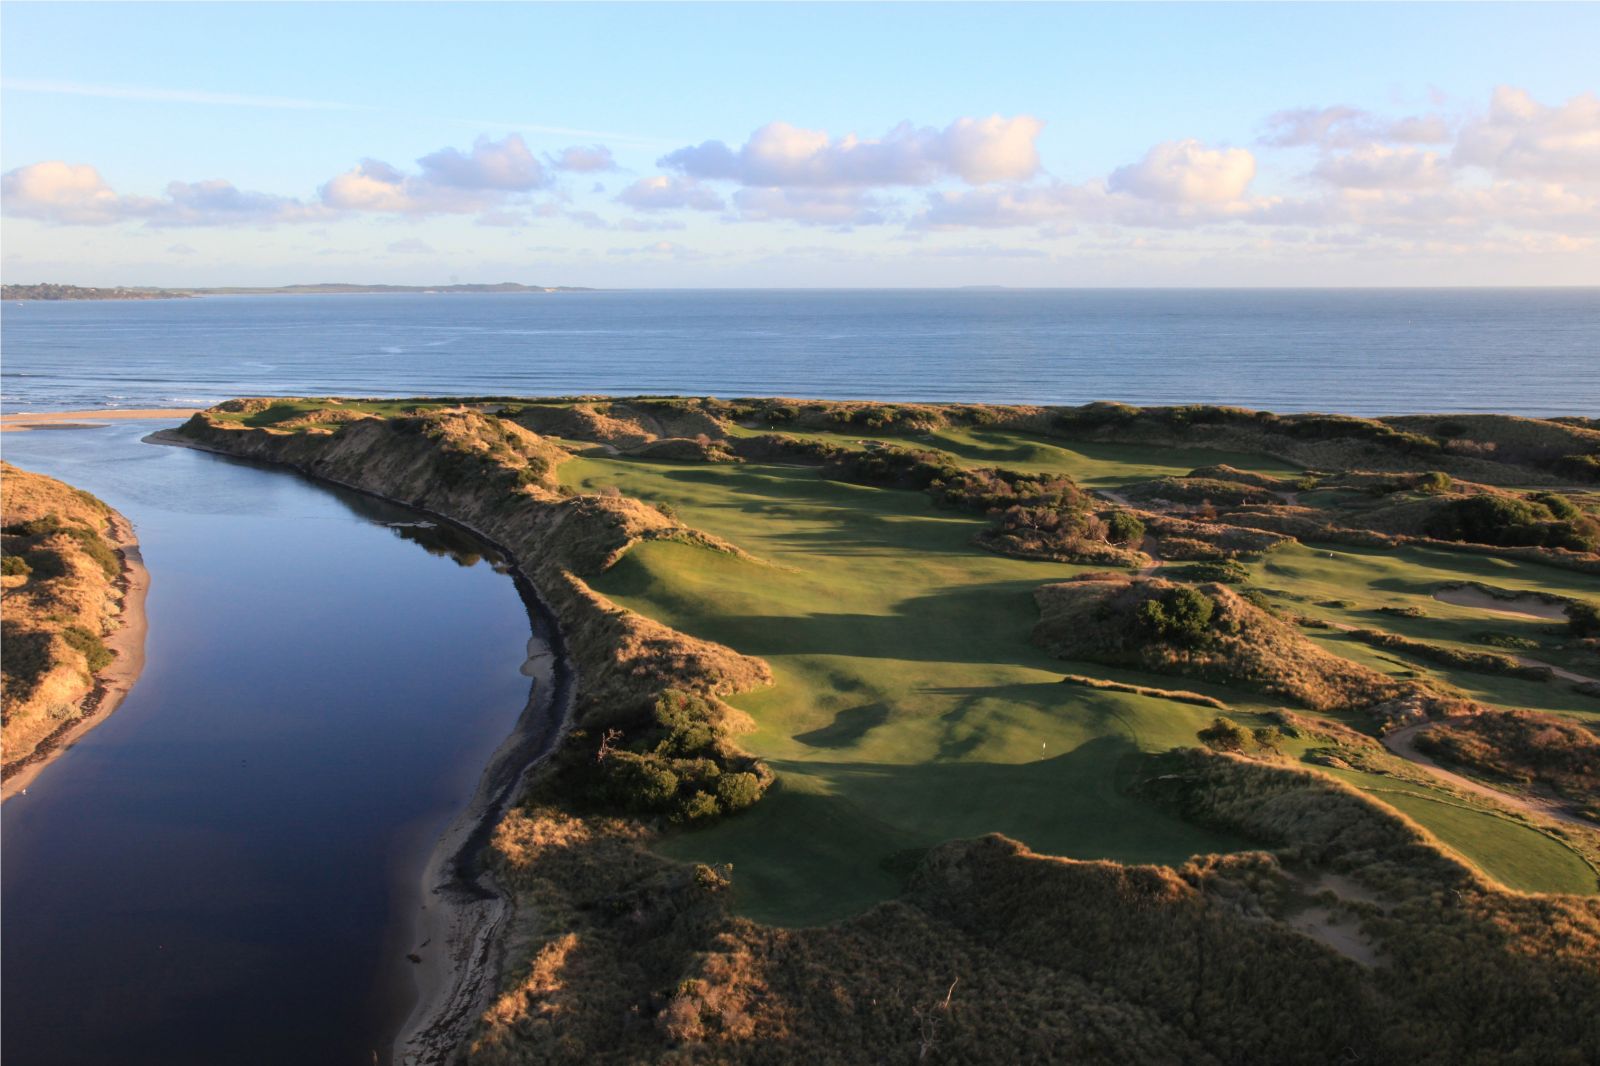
(672, 761)
(1479, 661)
(1208, 632)
(1525, 747)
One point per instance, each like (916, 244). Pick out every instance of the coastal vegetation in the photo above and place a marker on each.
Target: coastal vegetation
(825, 793)
(65, 589)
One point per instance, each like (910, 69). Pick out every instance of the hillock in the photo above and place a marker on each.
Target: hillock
(1207, 632)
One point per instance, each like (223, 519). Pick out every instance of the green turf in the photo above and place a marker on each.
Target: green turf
(908, 706)
(1318, 576)
(1504, 848)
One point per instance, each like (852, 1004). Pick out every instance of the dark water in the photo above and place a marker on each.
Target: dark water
(1534, 352)
(217, 874)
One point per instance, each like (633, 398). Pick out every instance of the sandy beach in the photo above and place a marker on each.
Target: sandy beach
(114, 682)
(14, 423)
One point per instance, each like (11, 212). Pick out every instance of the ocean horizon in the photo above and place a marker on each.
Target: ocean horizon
(1527, 351)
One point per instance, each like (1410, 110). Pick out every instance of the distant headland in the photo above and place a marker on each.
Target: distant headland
(50, 291)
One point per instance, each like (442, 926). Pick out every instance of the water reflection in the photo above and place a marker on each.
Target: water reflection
(214, 874)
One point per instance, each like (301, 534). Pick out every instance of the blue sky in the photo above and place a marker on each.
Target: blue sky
(1042, 144)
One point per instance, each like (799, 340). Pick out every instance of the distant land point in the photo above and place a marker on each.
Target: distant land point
(50, 291)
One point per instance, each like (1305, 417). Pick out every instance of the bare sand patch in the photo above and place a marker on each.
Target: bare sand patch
(1526, 605)
(14, 423)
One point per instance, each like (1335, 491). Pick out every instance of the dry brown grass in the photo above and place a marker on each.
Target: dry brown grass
(1094, 618)
(54, 616)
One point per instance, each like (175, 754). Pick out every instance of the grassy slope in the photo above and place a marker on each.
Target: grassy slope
(1091, 464)
(909, 706)
(1368, 578)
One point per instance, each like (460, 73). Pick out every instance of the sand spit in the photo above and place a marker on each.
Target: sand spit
(17, 423)
(112, 684)
(454, 943)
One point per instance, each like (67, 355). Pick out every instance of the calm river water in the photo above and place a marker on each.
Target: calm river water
(223, 872)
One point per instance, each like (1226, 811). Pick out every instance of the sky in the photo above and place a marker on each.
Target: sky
(779, 145)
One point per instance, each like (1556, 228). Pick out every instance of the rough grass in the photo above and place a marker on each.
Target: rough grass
(60, 599)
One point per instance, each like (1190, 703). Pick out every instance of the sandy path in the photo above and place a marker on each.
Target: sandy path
(1402, 743)
(111, 684)
(14, 423)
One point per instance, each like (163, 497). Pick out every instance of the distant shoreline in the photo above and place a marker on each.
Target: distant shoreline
(52, 293)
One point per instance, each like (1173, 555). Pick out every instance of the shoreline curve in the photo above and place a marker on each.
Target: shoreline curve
(112, 684)
(462, 907)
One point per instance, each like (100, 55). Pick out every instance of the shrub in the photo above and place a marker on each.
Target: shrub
(1226, 571)
(1506, 640)
(95, 547)
(1435, 482)
(737, 791)
(1122, 527)
(1182, 615)
(42, 526)
(94, 650)
(1579, 467)
(1508, 521)
(1224, 734)
(1583, 619)
(1266, 737)
(14, 566)
(1558, 505)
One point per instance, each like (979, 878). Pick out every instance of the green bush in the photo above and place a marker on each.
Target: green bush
(1583, 619)
(1224, 734)
(94, 650)
(42, 526)
(737, 791)
(1181, 616)
(96, 548)
(1225, 571)
(1435, 482)
(14, 566)
(1123, 527)
(1508, 521)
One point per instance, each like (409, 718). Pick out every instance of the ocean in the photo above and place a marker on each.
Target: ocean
(1367, 352)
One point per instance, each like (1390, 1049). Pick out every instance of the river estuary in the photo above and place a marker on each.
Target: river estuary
(226, 869)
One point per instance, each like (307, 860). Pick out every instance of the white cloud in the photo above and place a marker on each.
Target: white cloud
(663, 192)
(1379, 167)
(1186, 172)
(584, 159)
(504, 165)
(976, 151)
(61, 192)
(76, 194)
(1348, 127)
(831, 207)
(448, 181)
(1522, 138)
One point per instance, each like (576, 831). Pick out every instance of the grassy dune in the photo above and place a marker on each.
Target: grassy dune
(1091, 464)
(909, 706)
